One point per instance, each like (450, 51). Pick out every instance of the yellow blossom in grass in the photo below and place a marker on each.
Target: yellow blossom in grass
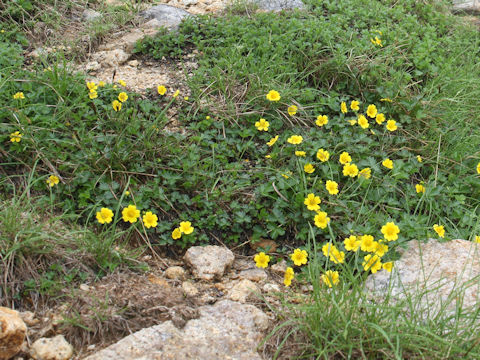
(312, 202)
(105, 216)
(288, 277)
(262, 125)
(186, 227)
(328, 248)
(321, 219)
(380, 248)
(268, 156)
(388, 163)
(343, 107)
(308, 168)
(376, 41)
(150, 220)
(332, 187)
(345, 158)
(390, 231)
(321, 120)
(420, 188)
(367, 243)
(337, 257)
(292, 110)
(123, 83)
(52, 180)
(122, 97)
(478, 168)
(185, 98)
(18, 96)
(207, 117)
(387, 100)
(372, 263)
(323, 155)
(330, 278)
(287, 175)
(372, 111)
(127, 193)
(363, 122)
(300, 153)
(391, 125)
(419, 159)
(16, 137)
(477, 239)
(92, 95)
(439, 229)
(91, 86)
(162, 90)
(354, 105)
(350, 170)
(380, 118)
(365, 173)
(176, 234)
(101, 84)
(116, 105)
(272, 141)
(130, 214)
(295, 139)
(388, 266)
(273, 95)
(261, 260)
(176, 93)
(351, 243)
(299, 257)
(352, 122)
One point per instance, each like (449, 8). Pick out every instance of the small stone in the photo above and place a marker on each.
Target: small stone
(279, 267)
(91, 15)
(133, 63)
(255, 274)
(56, 348)
(111, 58)
(92, 66)
(243, 291)
(271, 287)
(462, 6)
(29, 318)
(189, 289)
(175, 272)
(189, 2)
(168, 16)
(209, 262)
(279, 5)
(12, 332)
(84, 287)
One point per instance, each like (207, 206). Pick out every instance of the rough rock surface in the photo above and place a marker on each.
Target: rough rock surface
(167, 16)
(56, 348)
(91, 15)
(435, 273)
(243, 291)
(226, 330)
(254, 274)
(469, 6)
(278, 5)
(12, 332)
(175, 272)
(209, 262)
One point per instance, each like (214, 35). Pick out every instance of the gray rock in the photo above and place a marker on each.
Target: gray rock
(110, 58)
(209, 262)
(226, 330)
(175, 272)
(168, 16)
(279, 5)
(12, 332)
(56, 348)
(91, 15)
(271, 288)
(243, 291)
(469, 6)
(189, 289)
(189, 2)
(255, 274)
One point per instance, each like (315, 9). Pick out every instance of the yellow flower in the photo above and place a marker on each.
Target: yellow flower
(352, 122)
(300, 153)
(116, 105)
(372, 263)
(52, 180)
(288, 277)
(387, 100)
(308, 168)
(330, 278)
(388, 266)
(122, 97)
(127, 193)
(16, 136)
(354, 105)
(477, 239)
(186, 227)
(439, 229)
(391, 125)
(105, 216)
(91, 86)
(478, 168)
(162, 90)
(390, 231)
(351, 243)
(366, 173)
(376, 41)
(207, 117)
(321, 219)
(299, 257)
(372, 111)
(321, 120)
(380, 248)
(92, 95)
(332, 187)
(328, 248)
(185, 98)
(343, 107)
(367, 243)
(419, 159)
(176, 234)
(262, 125)
(101, 83)
(176, 93)
(268, 156)
(380, 119)
(312, 202)
(272, 141)
(295, 139)
(261, 260)
(273, 95)
(18, 96)
(323, 155)
(363, 122)
(130, 214)
(150, 220)
(292, 110)
(420, 188)
(350, 170)
(345, 158)
(337, 257)
(388, 163)
(123, 83)
(286, 176)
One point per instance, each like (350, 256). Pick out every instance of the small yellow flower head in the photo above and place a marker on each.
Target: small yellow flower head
(391, 125)
(345, 158)
(388, 266)
(380, 248)
(262, 125)
(91, 86)
(261, 260)
(122, 97)
(327, 249)
(299, 257)
(372, 111)
(365, 173)
(105, 216)
(123, 83)
(130, 214)
(363, 122)
(388, 163)
(292, 110)
(419, 159)
(207, 117)
(380, 118)
(352, 122)
(386, 100)
(343, 107)
(477, 239)
(186, 227)
(52, 180)
(308, 168)
(288, 277)
(354, 105)
(287, 175)
(18, 96)
(176, 234)
(351, 243)
(273, 95)
(478, 168)
(16, 137)
(439, 229)
(312, 202)
(321, 120)
(150, 220)
(295, 139)
(268, 156)
(300, 153)
(321, 219)
(390, 231)
(116, 105)
(176, 93)
(323, 155)
(376, 41)
(337, 257)
(101, 84)
(420, 188)
(92, 94)
(331, 278)
(162, 90)
(332, 187)
(367, 243)
(372, 263)
(186, 98)
(272, 141)
(350, 170)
